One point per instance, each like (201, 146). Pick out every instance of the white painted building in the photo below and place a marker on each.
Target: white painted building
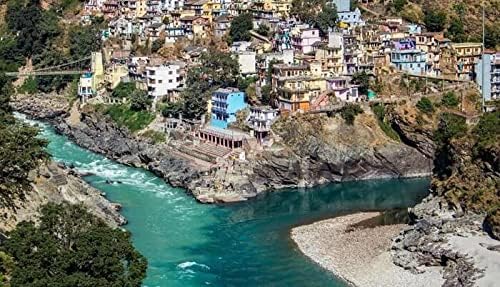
(260, 120)
(304, 39)
(247, 62)
(164, 78)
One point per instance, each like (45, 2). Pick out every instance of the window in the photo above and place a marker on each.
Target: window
(170, 72)
(160, 81)
(170, 81)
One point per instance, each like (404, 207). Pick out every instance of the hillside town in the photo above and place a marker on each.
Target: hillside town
(286, 65)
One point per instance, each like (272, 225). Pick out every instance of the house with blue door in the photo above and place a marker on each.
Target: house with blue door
(225, 103)
(407, 58)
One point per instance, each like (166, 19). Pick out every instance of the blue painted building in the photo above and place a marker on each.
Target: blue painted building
(491, 74)
(407, 58)
(225, 103)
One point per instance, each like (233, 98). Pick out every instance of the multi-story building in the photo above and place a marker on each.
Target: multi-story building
(194, 26)
(260, 120)
(85, 90)
(490, 75)
(430, 44)
(345, 15)
(110, 9)
(407, 58)
(304, 39)
(247, 63)
(225, 103)
(222, 25)
(342, 89)
(331, 54)
(164, 78)
(296, 85)
(93, 6)
(467, 55)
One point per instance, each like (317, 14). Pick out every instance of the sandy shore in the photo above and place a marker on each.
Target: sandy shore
(355, 249)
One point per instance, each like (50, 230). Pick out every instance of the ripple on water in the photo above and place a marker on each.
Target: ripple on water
(189, 244)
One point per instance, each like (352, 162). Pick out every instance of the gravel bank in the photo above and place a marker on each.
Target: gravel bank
(355, 249)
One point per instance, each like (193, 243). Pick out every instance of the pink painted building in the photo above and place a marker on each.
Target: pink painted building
(304, 39)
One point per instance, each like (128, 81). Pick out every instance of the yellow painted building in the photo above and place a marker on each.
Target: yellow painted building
(296, 85)
(467, 55)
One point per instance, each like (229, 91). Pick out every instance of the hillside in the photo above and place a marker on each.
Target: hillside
(460, 15)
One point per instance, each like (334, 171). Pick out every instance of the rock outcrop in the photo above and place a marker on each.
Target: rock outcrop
(56, 183)
(309, 150)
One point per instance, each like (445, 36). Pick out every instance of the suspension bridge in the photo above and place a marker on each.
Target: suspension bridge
(76, 67)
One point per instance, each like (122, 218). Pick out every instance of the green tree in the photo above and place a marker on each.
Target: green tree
(217, 69)
(83, 41)
(349, 113)
(157, 45)
(450, 100)
(326, 19)
(434, 20)
(35, 28)
(123, 90)
(307, 10)
(240, 27)
(20, 152)
(492, 36)
(6, 266)
(425, 105)
(5, 93)
(456, 30)
(266, 95)
(140, 101)
(399, 5)
(487, 131)
(363, 80)
(264, 30)
(450, 127)
(171, 109)
(71, 247)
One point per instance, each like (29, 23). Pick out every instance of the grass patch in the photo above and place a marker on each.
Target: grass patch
(156, 136)
(133, 120)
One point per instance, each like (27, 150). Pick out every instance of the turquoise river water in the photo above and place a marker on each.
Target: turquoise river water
(243, 244)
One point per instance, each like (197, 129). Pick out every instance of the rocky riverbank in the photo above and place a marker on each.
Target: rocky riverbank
(441, 248)
(356, 248)
(56, 183)
(309, 150)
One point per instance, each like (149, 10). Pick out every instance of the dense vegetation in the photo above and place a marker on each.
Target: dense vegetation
(450, 100)
(349, 113)
(240, 27)
(217, 69)
(425, 105)
(20, 151)
(71, 247)
(35, 33)
(134, 120)
(318, 13)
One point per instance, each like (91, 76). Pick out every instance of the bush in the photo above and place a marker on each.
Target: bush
(450, 100)
(379, 111)
(155, 136)
(140, 101)
(425, 105)
(30, 86)
(123, 90)
(349, 113)
(487, 130)
(133, 120)
(450, 126)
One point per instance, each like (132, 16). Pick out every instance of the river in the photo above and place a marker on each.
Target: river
(243, 244)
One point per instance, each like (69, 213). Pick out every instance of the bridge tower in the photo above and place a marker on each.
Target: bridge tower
(97, 67)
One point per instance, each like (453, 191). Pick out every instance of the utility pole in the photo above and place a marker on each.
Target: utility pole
(483, 68)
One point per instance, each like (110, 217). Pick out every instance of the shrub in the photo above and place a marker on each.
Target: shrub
(133, 120)
(450, 100)
(349, 113)
(425, 105)
(155, 136)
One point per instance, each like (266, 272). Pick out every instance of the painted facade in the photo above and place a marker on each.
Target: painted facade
(225, 103)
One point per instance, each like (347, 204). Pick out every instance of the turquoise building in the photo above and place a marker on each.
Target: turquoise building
(225, 103)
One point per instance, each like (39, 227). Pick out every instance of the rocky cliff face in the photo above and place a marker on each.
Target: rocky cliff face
(57, 184)
(318, 149)
(310, 150)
